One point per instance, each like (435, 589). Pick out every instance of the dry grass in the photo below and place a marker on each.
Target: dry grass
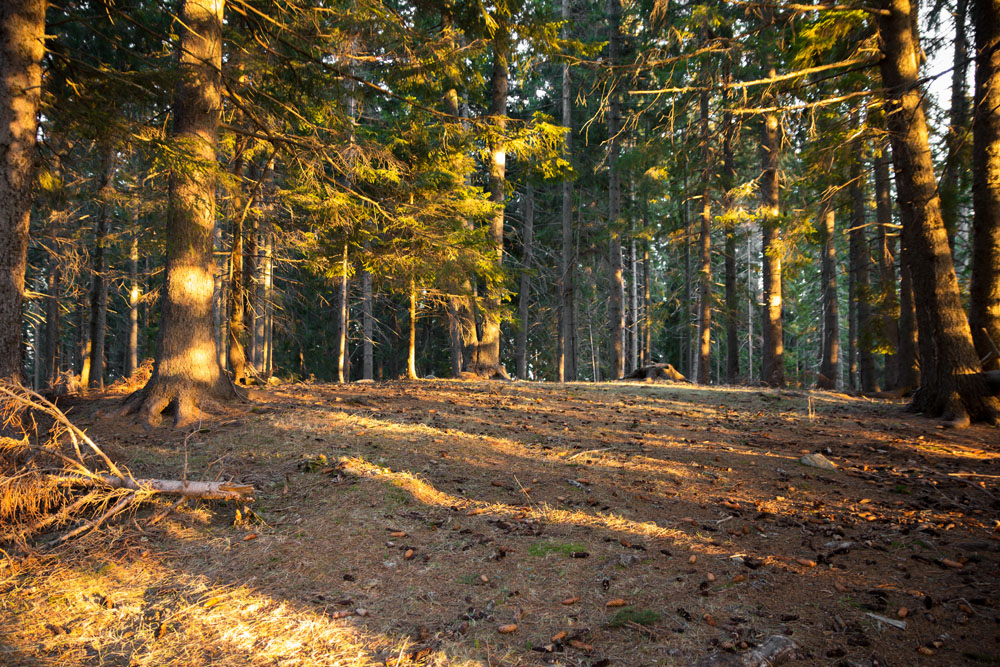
(443, 511)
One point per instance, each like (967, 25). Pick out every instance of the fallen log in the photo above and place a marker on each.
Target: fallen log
(170, 487)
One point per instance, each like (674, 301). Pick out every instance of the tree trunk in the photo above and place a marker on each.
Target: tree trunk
(950, 380)
(368, 325)
(702, 370)
(984, 315)
(132, 328)
(22, 28)
(888, 301)
(728, 182)
(268, 351)
(251, 280)
(860, 267)
(237, 288)
(99, 266)
(411, 356)
(187, 374)
(829, 368)
(772, 352)
(567, 259)
(52, 320)
(617, 305)
(487, 357)
(524, 294)
(342, 320)
(647, 347)
(957, 116)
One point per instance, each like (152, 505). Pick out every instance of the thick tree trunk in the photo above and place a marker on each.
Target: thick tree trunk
(702, 369)
(22, 32)
(772, 352)
(617, 288)
(524, 294)
(132, 328)
(984, 315)
(888, 301)
(860, 268)
(487, 357)
(829, 368)
(950, 379)
(567, 259)
(957, 116)
(187, 374)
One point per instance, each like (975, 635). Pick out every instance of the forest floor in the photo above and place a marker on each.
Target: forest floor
(457, 523)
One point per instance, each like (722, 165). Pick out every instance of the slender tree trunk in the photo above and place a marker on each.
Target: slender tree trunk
(269, 313)
(251, 274)
(132, 328)
(728, 182)
(861, 267)
(852, 317)
(567, 259)
(237, 288)
(260, 302)
(772, 352)
(957, 119)
(889, 302)
(909, 348)
(950, 383)
(99, 284)
(829, 368)
(524, 294)
(342, 323)
(647, 347)
(633, 303)
(368, 325)
(187, 374)
(617, 305)
(411, 356)
(685, 337)
(52, 319)
(22, 32)
(984, 315)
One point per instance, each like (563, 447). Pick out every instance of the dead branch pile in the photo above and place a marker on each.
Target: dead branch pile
(53, 475)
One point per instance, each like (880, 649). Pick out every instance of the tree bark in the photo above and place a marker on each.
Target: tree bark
(957, 117)
(524, 294)
(860, 268)
(487, 358)
(22, 31)
(772, 352)
(702, 370)
(187, 374)
(888, 300)
(237, 288)
(950, 379)
(99, 265)
(567, 259)
(617, 305)
(52, 319)
(132, 328)
(984, 315)
(342, 320)
(728, 182)
(411, 355)
(829, 368)
(368, 324)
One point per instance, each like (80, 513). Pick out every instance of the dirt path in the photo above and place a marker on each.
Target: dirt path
(626, 524)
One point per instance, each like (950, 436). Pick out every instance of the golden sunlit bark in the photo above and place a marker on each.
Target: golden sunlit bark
(950, 381)
(187, 375)
(22, 28)
(984, 312)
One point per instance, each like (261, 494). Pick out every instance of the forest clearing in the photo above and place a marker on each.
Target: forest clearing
(410, 522)
(513, 332)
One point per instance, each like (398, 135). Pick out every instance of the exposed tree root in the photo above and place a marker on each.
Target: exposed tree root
(188, 402)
